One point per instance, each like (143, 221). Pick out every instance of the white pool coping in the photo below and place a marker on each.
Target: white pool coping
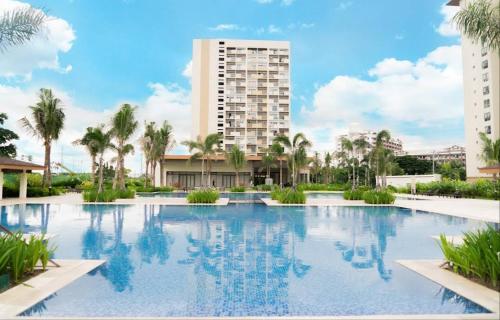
(23, 296)
(483, 296)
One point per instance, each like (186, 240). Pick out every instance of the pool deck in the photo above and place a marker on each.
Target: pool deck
(23, 296)
(483, 296)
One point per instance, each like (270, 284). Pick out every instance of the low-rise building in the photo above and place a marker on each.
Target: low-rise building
(394, 144)
(439, 156)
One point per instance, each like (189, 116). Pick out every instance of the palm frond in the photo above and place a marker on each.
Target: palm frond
(19, 26)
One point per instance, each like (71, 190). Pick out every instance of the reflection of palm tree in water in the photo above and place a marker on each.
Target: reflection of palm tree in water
(153, 241)
(381, 223)
(93, 239)
(249, 264)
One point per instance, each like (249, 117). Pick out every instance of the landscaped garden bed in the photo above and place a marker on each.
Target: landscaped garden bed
(203, 196)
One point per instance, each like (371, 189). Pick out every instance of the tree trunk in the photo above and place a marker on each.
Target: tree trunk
(101, 160)
(237, 178)
(281, 173)
(202, 171)
(162, 176)
(122, 173)
(47, 173)
(115, 178)
(146, 175)
(92, 168)
(153, 174)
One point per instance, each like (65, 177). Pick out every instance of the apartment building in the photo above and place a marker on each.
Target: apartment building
(394, 144)
(241, 90)
(481, 81)
(453, 153)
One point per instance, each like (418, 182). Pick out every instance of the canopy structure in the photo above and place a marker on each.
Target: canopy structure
(8, 165)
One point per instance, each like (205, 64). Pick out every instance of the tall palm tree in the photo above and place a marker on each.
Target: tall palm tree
(360, 146)
(123, 127)
(380, 157)
(300, 159)
(19, 26)
(48, 122)
(327, 162)
(204, 149)
(101, 141)
(490, 151)
(165, 143)
(298, 141)
(479, 21)
(146, 142)
(236, 158)
(279, 152)
(86, 141)
(268, 160)
(348, 148)
(316, 166)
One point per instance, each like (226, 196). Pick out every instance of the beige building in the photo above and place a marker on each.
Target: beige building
(453, 153)
(394, 144)
(481, 81)
(241, 90)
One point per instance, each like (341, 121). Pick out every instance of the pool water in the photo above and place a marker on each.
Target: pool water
(243, 260)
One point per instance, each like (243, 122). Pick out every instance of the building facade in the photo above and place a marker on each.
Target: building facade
(481, 81)
(241, 90)
(453, 153)
(394, 144)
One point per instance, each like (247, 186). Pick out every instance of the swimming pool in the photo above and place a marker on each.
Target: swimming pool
(243, 260)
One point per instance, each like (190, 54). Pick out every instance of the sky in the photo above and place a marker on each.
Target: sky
(355, 64)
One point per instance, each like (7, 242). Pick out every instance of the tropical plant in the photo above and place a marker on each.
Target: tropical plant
(101, 141)
(316, 166)
(203, 196)
(268, 162)
(278, 150)
(19, 26)
(288, 196)
(348, 149)
(477, 257)
(360, 148)
(299, 143)
(327, 163)
(86, 141)
(165, 142)
(48, 122)
(236, 158)
(123, 126)
(490, 150)
(94, 195)
(204, 149)
(238, 189)
(378, 197)
(354, 194)
(380, 156)
(147, 146)
(7, 149)
(479, 21)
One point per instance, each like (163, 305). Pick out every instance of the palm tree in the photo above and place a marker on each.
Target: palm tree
(380, 157)
(348, 148)
(146, 142)
(100, 140)
(279, 152)
(165, 143)
(205, 149)
(300, 159)
(19, 26)
(236, 158)
(91, 148)
(327, 162)
(360, 146)
(479, 21)
(316, 166)
(268, 160)
(48, 122)
(123, 127)
(490, 151)
(298, 141)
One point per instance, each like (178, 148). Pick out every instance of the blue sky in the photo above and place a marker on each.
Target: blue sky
(350, 60)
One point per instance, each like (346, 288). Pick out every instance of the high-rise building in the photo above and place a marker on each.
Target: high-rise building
(241, 90)
(481, 81)
(394, 144)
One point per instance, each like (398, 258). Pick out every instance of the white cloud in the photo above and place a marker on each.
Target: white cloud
(447, 27)
(427, 93)
(166, 102)
(226, 27)
(273, 29)
(188, 70)
(42, 52)
(282, 2)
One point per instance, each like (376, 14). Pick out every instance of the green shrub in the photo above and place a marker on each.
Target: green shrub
(265, 187)
(238, 189)
(154, 189)
(18, 257)
(125, 194)
(86, 185)
(378, 197)
(35, 180)
(356, 194)
(477, 257)
(392, 188)
(203, 196)
(321, 187)
(105, 196)
(288, 196)
(484, 189)
(42, 192)
(67, 181)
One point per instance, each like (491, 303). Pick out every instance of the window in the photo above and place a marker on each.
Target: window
(221, 100)
(221, 59)
(485, 77)
(219, 124)
(221, 67)
(486, 90)
(221, 83)
(487, 116)
(221, 50)
(221, 75)
(486, 103)
(221, 108)
(484, 64)
(487, 129)
(221, 91)
(484, 51)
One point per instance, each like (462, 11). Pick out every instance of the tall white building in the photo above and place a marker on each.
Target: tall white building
(481, 80)
(394, 144)
(241, 90)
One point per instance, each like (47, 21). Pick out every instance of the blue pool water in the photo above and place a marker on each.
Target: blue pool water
(243, 260)
(230, 195)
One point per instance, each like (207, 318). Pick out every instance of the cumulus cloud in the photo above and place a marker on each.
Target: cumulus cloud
(42, 52)
(446, 27)
(282, 2)
(166, 102)
(188, 70)
(226, 27)
(426, 93)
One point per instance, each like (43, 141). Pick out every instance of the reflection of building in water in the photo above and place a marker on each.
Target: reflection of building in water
(246, 263)
(369, 231)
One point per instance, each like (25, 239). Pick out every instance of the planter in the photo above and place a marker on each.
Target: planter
(4, 282)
